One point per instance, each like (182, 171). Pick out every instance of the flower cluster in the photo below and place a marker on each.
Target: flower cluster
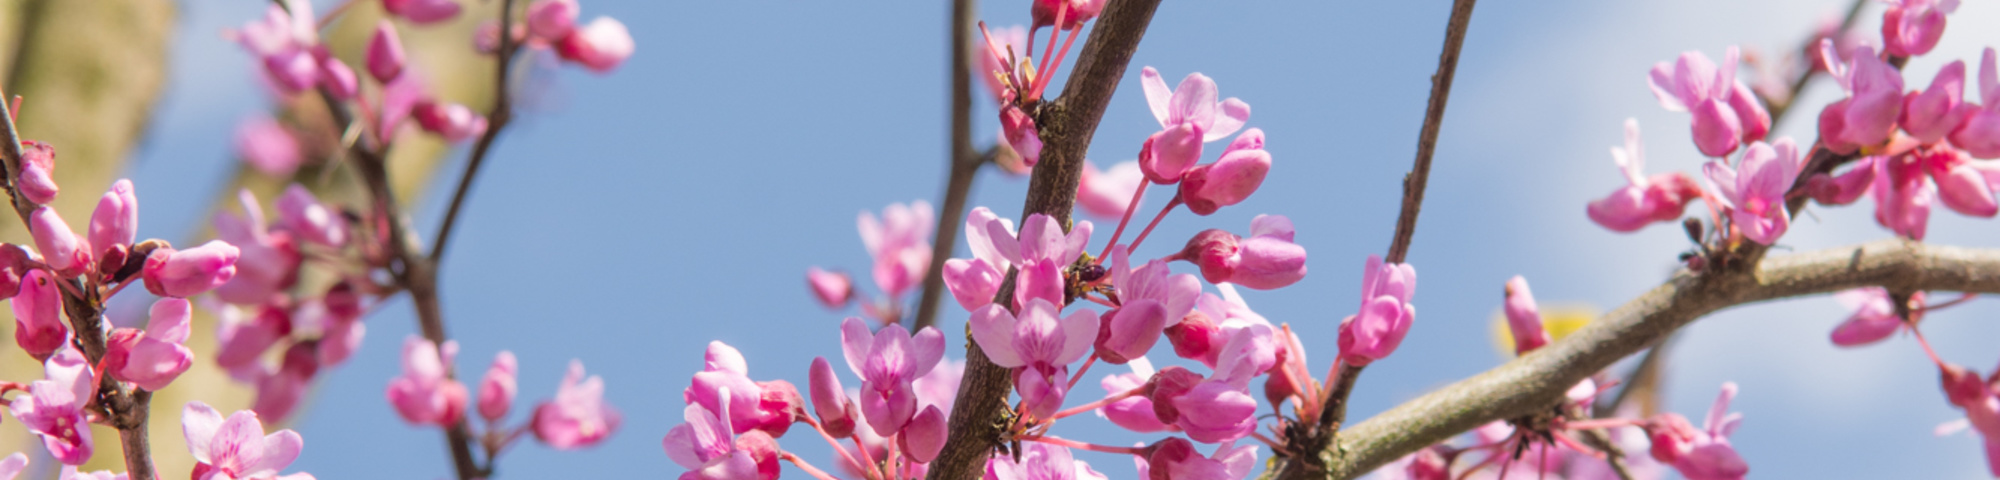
(899, 241)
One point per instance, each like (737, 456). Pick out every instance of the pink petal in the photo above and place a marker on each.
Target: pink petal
(1234, 114)
(855, 343)
(1158, 97)
(993, 329)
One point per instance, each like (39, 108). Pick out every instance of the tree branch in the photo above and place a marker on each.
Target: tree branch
(1413, 184)
(1067, 125)
(964, 162)
(496, 120)
(1537, 380)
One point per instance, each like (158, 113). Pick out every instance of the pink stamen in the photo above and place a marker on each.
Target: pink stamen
(869, 470)
(1079, 374)
(994, 50)
(1060, 55)
(835, 443)
(1085, 446)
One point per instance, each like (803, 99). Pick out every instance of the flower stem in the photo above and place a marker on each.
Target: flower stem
(1141, 390)
(1156, 222)
(1064, 442)
(801, 463)
(1120, 232)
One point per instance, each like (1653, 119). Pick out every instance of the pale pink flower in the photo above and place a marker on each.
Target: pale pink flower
(1386, 312)
(758, 406)
(1644, 200)
(385, 55)
(302, 214)
(1038, 345)
(1229, 180)
(1695, 84)
(268, 261)
(1106, 193)
(1040, 461)
(424, 394)
(1875, 100)
(241, 339)
(830, 403)
(1152, 297)
(552, 19)
(1933, 113)
(497, 389)
(1524, 320)
(1269, 259)
(38, 325)
(600, 45)
(13, 465)
(451, 121)
(832, 289)
(1828, 189)
(706, 446)
(1215, 411)
(282, 41)
(578, 416)
(1913, 27)
(1979, 135)
(69, 472)
(1703, 454)
(1754, 192)
(1902, 197)
(975, 282)
(1874, 316)
(1176, 459)
(925, 435)
(237, 448)
(1135, 412)
(1040, 251)
(154, 357)
(899, 243)
(888, 362)
(186, 273)
(280, 391)
(1189, 116)
(53, 409)
(268, 146)
(422, 11)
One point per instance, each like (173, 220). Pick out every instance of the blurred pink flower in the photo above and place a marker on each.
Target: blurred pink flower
(578, 416)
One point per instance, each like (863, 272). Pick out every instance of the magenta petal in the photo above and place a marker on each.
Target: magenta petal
(1136, 327)
(1269, 263)
(1173, 151)
(1717, 130)
(924, 438)
(993, 329)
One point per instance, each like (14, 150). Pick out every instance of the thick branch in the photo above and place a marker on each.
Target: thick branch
(963, 161)
(1537, 380)
(1067, 125)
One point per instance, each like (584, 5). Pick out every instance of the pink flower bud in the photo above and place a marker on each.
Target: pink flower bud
(155, 357)
(278, 393)
(424, 395)
(599, 45)
(190, 272)
(14, 263)
(302, 213)
(1215, 251)
(1230, 180)
(833, 289)
(452, 121)
(1168, 154)
(1269, 259)
(38, 169)
(1524, 321)
(60, 247)
(1911, 28)
(1044, 12)
(1750, 112)
(385, 55)
(1846, 188)
(422, 11)
(267, 146)
(1021, 133)
(778, 406)
(830, 403)
(1386, 313)
(1196, 338)
(1874, 316)
(1169, 384)
(1933, 113)
(292, 70)
(38, 324)
(116, 220)
(1215, 412)
(552, 19)
(496, 391)
(338, 79)
(763, 452)
(1428, 464)
(924, 437)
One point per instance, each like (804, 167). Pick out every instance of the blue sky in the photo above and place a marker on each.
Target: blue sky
(635, 217)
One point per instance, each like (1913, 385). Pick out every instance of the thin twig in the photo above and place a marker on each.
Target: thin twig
(1810, 49)
(496, 120)
(1613, 455)
(1413, 184)
(964, 163)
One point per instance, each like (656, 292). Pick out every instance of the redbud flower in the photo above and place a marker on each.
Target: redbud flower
(1694, 84)
(706, 446)
(60, 247)
(115, 222)
(279, 392)
(578, 417)
(267, 146)
(1644, 200)
(422, 11)
(1041, 251)
(924, 437)
(1230, 180)
(899, 242)
(1979, 135)
(1874, 316)
(1965, 389)
(1963, 184)
(1106, 193)
(13, 465)
(338, 80)
(832, 289)
(830, 403)
(1165, 386)
(424, 394)
(302, 214)
(237, 448)
(1703, 454)
(887, 362)
(1267, 260)
(1135, 412)
(1189, 116)
(599, 45)
(496, 390)
(1038, 345)
(1214, 411)
(993, 65)
(1933, 113)
(1040, 461)
(1386, 312)
(974, 283)
(268, 261)
(385, 52)
(1754, 192)
(186, 273)
(1153, 297)
(940, 386)
(1875, 99)
(1176, 459)
(552, 19)
(154, 357)
(1524, 321)
(38, 169)
(1846, 188)
(1902, 197)
(53, 408)
(453, 122)
(240, 341)
(1022, 134)
(38, 324)
(1044, 12)
(768, 406)
(1913, 27)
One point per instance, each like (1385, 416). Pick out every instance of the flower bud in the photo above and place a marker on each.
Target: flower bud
(1021, 133)
(60, 247)
(155, 357)
(190, 272)
(38, 325)
(1196, 337)
(552, 19)
(833, 289)
(302, 213)
(1524, 320)
(422, 11)
(830, 403)
(338, 79)
(924, 438)
(496, 391)
(292, 71)
(1229, 180)
(1169, 154)
(1168, 384)
(115, 223)
(385, 55)
(600, 45)
(1215, 251)
(13, 266)
(452, 121)
(38, 169)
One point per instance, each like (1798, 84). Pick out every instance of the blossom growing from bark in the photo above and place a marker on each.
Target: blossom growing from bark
(53, 409)
(1703, 454)
(578, 416)
(1267, 260)
(1644, 200)
(424, 394)
(1040, 251)
(1523, 319)
(1189, 116)
(1038, 345)
(1386, 312)
(1722, 120)
(1875, 100)
(1754, 191)
(497, 389)
(975, 282)
(38, 325)
(154, 357)
(706, 446)
(236, 447)
(888, 361)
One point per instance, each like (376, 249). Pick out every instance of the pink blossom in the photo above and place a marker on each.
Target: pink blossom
(1152, 297)
(335, 78)
(1523, 319)
(1022, 134)
(268, 146)
(237, 448)
(1217, 329)
(1040, 461)
(706, 446)
(186, 273)
(61, 248)
(14, 262)
(1045, 12)
(899, 242)
(757, 406)
(1902, 197)
(1979, 135)
(1963, 185)
(1106, 193)
(241, 341)
(832, 289)
(1933, 113)
(940, 386)
(1386, 312)
(1875, 100)
(1176, 459)
(302, 214)
(38, 170)
(268, 261)
(1754, 192)
(1874, 316)
(385, 52)
(1230, 180)
(1135, 412)
(1966, 390)
(13, 465)
(975, 282)
(1038, 345)
(156, 356)
(424, 394)
(1846, 188)
(1694, 84)
(399, 97)
(924, 437)
(578, 416)
(114, 225)
(1913, 27)
(282, 41)
(1267, 260)
(1660, 198)
(1189, 116)
(451, 121)
(1040, 251)
(53, 409)
(888, 361)
(1215, 411)
(830, 403)
(38, 323)
(280, 391)
(599, 45)
(422, 11)
(552, 19)
(1703, 454)
(497, 389)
